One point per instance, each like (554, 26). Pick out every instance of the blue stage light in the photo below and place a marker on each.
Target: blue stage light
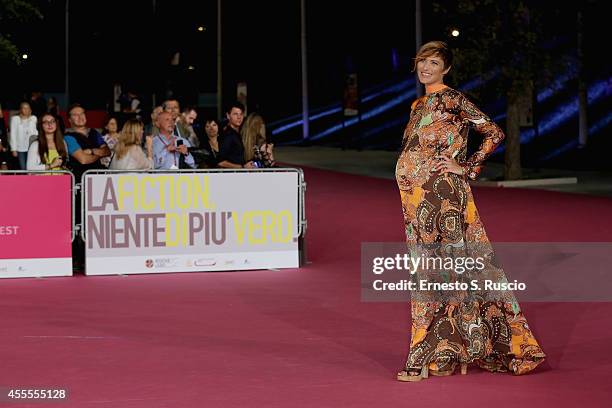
(594, 129)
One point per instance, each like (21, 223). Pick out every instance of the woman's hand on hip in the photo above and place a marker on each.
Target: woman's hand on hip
(447, 164)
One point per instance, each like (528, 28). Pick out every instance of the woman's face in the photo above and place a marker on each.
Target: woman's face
(49, 124)
(155, 113)
(211, 129)
(25, 110)
(431, 70)
(112, 125)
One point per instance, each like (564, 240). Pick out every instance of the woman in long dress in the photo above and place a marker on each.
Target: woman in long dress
(432, 174)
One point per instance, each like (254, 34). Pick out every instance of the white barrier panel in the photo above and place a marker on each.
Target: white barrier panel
(190, 221)
(35, 224)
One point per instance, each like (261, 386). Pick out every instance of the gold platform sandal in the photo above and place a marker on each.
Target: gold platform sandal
(438, 373)
(413, 375)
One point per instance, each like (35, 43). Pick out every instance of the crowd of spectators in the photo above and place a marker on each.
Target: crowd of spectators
(36, 139)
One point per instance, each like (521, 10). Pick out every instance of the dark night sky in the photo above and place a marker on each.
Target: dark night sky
(125, 41)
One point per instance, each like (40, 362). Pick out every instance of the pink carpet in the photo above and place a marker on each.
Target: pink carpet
(298, 338)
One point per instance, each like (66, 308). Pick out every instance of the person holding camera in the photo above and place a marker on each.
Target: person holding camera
(49, 151)
(170, 151)
(257, 150)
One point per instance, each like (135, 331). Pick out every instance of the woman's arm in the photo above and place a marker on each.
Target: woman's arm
(34, 162)
(13, 132)
(139, 159)
(493, 136)
(149, 152)
(33, 128)
(229, 165)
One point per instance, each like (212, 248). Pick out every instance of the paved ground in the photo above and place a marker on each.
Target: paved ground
(380, 163)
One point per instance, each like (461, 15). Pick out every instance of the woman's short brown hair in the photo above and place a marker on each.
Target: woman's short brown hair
(434, 48)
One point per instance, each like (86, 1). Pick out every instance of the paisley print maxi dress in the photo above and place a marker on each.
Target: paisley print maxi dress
(440, 209)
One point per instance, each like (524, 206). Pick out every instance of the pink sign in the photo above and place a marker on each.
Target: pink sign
(35, 216)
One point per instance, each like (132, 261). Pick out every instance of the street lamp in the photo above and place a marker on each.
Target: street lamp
(201, 28)
(24, 56)
(455, 32)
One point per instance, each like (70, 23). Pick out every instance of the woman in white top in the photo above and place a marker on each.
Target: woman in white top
(49, 152)
(128, 151)
(22, 128)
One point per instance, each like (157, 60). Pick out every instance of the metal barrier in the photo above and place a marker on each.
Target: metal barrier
(105, 247)
(76, 188)
(73, 189)
(301, 187)
(38, 223)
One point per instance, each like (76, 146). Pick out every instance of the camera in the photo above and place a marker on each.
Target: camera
(259, 158)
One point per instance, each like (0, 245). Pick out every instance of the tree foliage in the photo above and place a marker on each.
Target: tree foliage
(12, 11)
(504, 39)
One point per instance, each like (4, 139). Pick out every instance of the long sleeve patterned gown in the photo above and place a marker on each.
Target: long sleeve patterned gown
(440, 209)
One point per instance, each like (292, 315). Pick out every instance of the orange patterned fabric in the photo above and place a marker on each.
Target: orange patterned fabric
(441, 209)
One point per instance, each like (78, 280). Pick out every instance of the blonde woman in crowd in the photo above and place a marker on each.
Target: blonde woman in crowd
(128, 151)
(256, 147)
(49, 151)
(22, 128)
